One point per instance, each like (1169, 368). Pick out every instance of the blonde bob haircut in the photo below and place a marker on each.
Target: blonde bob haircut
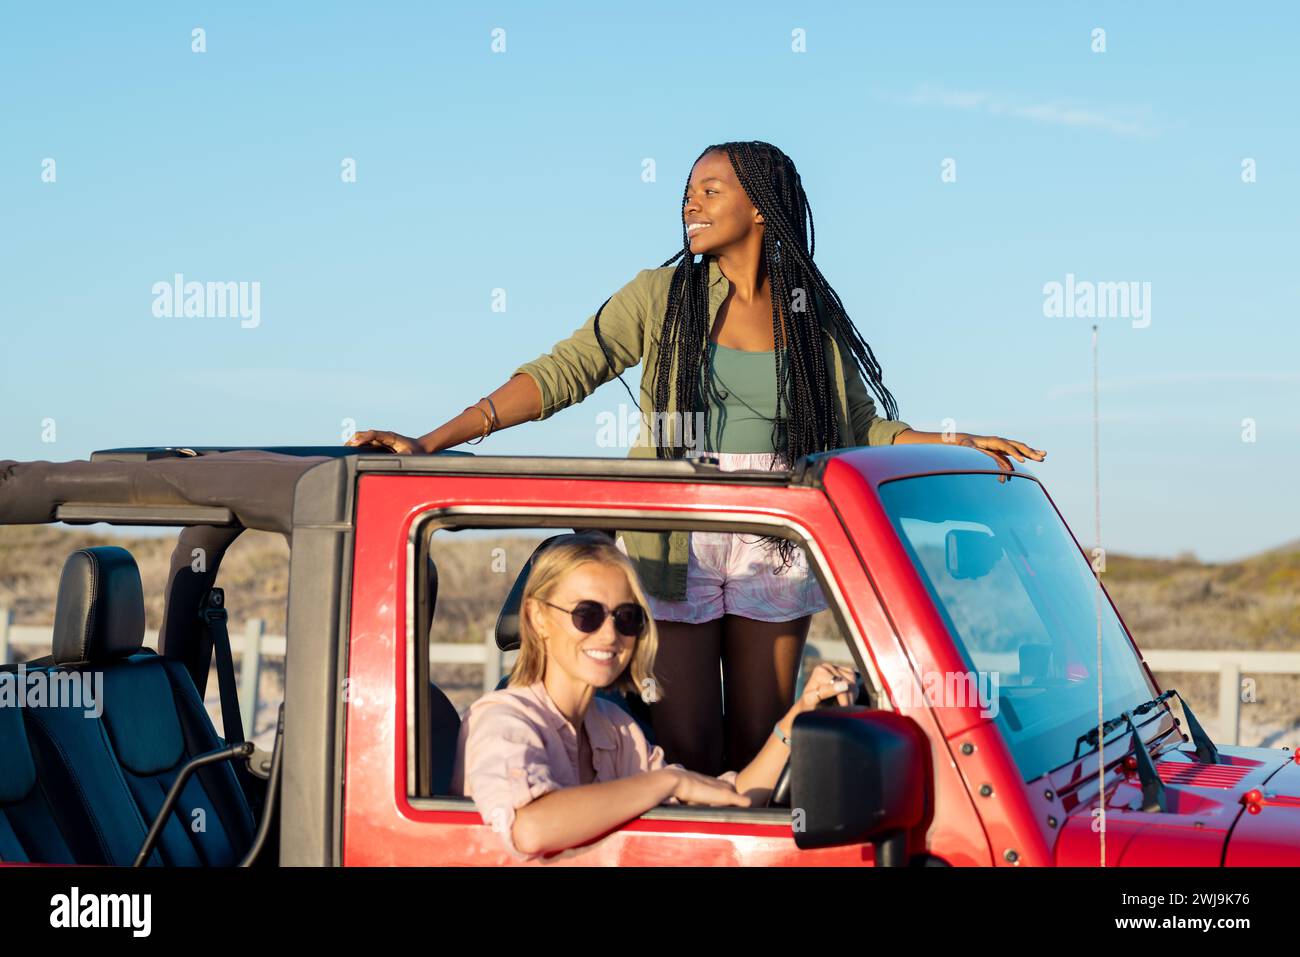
(550, 567)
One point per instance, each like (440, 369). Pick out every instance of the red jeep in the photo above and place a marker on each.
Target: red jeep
(973, 616)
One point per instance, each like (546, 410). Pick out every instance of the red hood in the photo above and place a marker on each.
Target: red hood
(1242, 812)
(1268, 831)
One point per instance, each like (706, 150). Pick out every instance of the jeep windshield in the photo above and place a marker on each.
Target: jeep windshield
(1020, 601)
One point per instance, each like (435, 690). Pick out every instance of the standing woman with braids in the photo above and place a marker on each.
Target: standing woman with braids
(755, 345)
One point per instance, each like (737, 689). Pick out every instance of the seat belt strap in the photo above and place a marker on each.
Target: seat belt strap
(213, 614)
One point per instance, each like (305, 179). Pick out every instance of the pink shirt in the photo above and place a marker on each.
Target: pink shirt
(515, 746)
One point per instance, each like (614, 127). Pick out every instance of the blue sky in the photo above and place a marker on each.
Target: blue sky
(522, 171)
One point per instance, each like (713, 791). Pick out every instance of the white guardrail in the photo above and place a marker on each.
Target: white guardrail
(1231, 665)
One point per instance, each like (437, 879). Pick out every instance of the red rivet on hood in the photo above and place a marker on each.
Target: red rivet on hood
(1253, 796)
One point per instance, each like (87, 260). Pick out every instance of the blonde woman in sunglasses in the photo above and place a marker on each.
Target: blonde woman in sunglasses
(549, 764)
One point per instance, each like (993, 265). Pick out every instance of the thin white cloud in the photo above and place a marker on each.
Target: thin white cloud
(1135, 383)
(1118, 120)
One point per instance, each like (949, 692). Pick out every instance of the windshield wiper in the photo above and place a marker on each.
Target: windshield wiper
(1206, 752)
(1153, 789)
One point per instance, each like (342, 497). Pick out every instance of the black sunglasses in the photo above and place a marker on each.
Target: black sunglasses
(588, 616)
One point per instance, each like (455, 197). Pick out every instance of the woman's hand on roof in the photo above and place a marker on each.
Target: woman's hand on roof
(999, 449)
(393, 441)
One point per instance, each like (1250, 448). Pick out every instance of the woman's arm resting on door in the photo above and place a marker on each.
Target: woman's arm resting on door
(571, 816)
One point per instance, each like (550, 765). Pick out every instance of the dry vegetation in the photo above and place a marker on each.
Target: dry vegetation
(1252, 604)
(1167, 603)
(254, 573)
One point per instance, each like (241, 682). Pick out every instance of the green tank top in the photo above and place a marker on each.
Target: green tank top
(742, 400)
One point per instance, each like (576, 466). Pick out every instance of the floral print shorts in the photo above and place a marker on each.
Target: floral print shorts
(734, 573)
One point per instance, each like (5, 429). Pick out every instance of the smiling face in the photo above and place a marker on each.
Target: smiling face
(718, 213)
(596, 658)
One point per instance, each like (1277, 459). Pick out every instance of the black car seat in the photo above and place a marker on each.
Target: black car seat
(117, 766)
(31, 827)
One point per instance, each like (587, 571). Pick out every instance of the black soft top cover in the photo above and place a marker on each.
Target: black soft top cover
(256, 485)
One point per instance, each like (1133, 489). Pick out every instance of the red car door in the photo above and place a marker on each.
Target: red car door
(385, 822)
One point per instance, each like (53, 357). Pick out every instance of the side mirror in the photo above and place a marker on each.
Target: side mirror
(859, 775)
(970, 554)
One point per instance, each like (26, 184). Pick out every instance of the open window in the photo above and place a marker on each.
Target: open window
(466, 567)
(110, 747)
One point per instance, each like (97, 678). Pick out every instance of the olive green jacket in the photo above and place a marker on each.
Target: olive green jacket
(631, 325)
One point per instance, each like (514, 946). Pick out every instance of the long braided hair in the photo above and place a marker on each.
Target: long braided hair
(805, 420)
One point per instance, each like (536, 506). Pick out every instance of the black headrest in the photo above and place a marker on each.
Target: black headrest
(508, 619)
(99, 615)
